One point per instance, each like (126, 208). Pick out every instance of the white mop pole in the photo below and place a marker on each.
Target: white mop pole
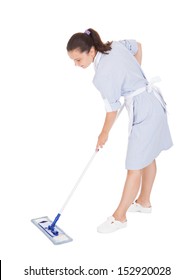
(84, 171)
(79, 179)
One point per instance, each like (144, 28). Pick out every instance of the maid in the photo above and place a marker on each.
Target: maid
(118, 73)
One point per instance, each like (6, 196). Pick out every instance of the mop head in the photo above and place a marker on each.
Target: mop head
(58, 236)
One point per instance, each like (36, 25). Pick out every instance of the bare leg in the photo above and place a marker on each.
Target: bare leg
(131, 188)
(148, 176)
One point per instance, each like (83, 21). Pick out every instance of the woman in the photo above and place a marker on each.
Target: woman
(118, 73)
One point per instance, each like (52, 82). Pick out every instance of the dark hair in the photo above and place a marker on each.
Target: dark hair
(85, 41)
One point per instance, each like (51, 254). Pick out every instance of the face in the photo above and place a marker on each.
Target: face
(82, 59)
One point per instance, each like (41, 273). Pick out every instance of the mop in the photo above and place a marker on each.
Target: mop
(48, 227)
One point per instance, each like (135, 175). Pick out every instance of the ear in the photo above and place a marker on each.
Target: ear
(92, 52)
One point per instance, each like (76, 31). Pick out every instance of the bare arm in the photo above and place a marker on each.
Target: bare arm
(138, 55)
(108, 123)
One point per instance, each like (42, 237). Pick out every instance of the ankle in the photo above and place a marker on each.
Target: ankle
(120, 218)
(144, 203)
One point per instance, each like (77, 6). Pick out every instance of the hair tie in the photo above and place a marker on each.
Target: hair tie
(87, 32)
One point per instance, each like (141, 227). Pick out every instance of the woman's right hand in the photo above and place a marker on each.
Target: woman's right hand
(109, 120)
(102, 139)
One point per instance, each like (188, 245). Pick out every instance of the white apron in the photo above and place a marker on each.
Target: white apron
(151, 89)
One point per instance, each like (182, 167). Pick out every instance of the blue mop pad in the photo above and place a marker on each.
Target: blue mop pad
(56, 235)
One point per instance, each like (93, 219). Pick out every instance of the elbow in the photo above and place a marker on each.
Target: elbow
(139, 46)
(138, 55)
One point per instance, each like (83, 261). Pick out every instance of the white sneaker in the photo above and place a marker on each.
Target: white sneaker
(136, 207)
(111, 225)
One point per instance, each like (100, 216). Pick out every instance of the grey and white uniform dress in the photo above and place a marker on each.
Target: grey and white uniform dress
(119, 74)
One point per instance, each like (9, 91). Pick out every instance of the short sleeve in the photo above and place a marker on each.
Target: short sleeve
(110, 90)
(111, 106)
(131, 45)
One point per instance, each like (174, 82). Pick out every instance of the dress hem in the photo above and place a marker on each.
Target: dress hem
(147, 163)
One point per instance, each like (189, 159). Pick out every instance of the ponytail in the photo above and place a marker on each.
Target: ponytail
(85, 41)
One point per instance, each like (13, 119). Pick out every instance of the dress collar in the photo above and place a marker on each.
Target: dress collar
(97, 59)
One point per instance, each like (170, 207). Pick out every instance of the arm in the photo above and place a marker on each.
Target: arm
(109, 120)
(138, 55)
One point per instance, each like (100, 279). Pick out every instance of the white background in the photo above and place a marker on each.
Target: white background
(50, 118)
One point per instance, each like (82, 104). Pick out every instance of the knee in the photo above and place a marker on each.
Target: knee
(136, 173)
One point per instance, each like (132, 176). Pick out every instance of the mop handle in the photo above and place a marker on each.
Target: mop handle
(85, 169)
(78, 181)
